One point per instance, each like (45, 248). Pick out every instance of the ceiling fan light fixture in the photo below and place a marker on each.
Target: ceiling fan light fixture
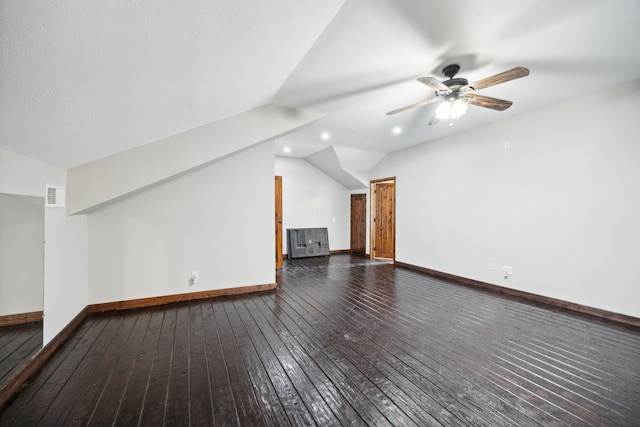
(458, 108)
(451, 109)
(457, 93)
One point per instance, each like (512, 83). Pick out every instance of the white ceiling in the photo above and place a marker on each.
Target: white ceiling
(81, 80)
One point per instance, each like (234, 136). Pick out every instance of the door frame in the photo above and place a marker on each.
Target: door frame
(278, 220)
(372, 212)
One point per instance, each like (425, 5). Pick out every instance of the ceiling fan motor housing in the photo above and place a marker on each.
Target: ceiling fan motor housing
(450, 70)
(454, 84)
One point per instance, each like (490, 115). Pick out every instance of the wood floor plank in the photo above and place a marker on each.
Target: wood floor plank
(346, 339)
(111, 397)
(376, 396)
(288, 371)
(246, 401)
(598, 396)
(11, 336)
(369, 323)
(269, 380)
(222, 400)
(133, 399)
(342, 341)
(200, 408)
(349, 390)
(28, 399)
(468, 340)
(18, 352)
(409, 379)
(272, 327)
(177, 409)
(443, 357)
(77, 401)
(154, 403)
(66, 384)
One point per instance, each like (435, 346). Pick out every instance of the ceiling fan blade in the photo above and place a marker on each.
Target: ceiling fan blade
(513, 74)
(433, 83)
(428, 101)
(488, 102)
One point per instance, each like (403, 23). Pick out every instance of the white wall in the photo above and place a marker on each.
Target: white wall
(310, 198)
(65, 254)
(562, 205)
(21, 253)
(217, 220)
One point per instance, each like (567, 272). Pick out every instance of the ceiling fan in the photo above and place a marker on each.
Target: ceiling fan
(458, 93)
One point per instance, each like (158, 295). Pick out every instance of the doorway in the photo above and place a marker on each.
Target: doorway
(383, 218)
(358, 224)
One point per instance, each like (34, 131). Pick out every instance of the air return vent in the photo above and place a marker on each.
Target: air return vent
(55, 197)
(307, 242)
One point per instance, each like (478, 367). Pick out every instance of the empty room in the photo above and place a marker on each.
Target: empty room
(347, 212)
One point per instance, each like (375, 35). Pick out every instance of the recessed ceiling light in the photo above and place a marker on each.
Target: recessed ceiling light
(286, 149)
(396, 130)
(325, 135)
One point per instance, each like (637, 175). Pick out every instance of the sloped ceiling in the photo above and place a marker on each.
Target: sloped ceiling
(349, 166)
(367, 60)
(98, 183)
(83, 80)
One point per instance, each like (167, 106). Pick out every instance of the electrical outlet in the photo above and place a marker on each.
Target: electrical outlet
(507, 271)
(194, 277)
(490, 266)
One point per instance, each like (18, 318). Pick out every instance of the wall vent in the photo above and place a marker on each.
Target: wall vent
(55, 197)
(307, 242)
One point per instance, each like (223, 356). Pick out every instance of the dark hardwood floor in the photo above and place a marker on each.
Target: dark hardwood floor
(18, 343)
(343, 341)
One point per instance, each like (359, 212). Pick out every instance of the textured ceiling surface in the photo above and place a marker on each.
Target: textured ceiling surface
(82, 80)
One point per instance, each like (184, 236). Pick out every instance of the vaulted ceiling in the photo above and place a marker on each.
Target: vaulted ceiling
(82, 80)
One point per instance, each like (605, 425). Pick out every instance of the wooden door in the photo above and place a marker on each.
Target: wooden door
(384, 222)
(278, 218)
(358, 224)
